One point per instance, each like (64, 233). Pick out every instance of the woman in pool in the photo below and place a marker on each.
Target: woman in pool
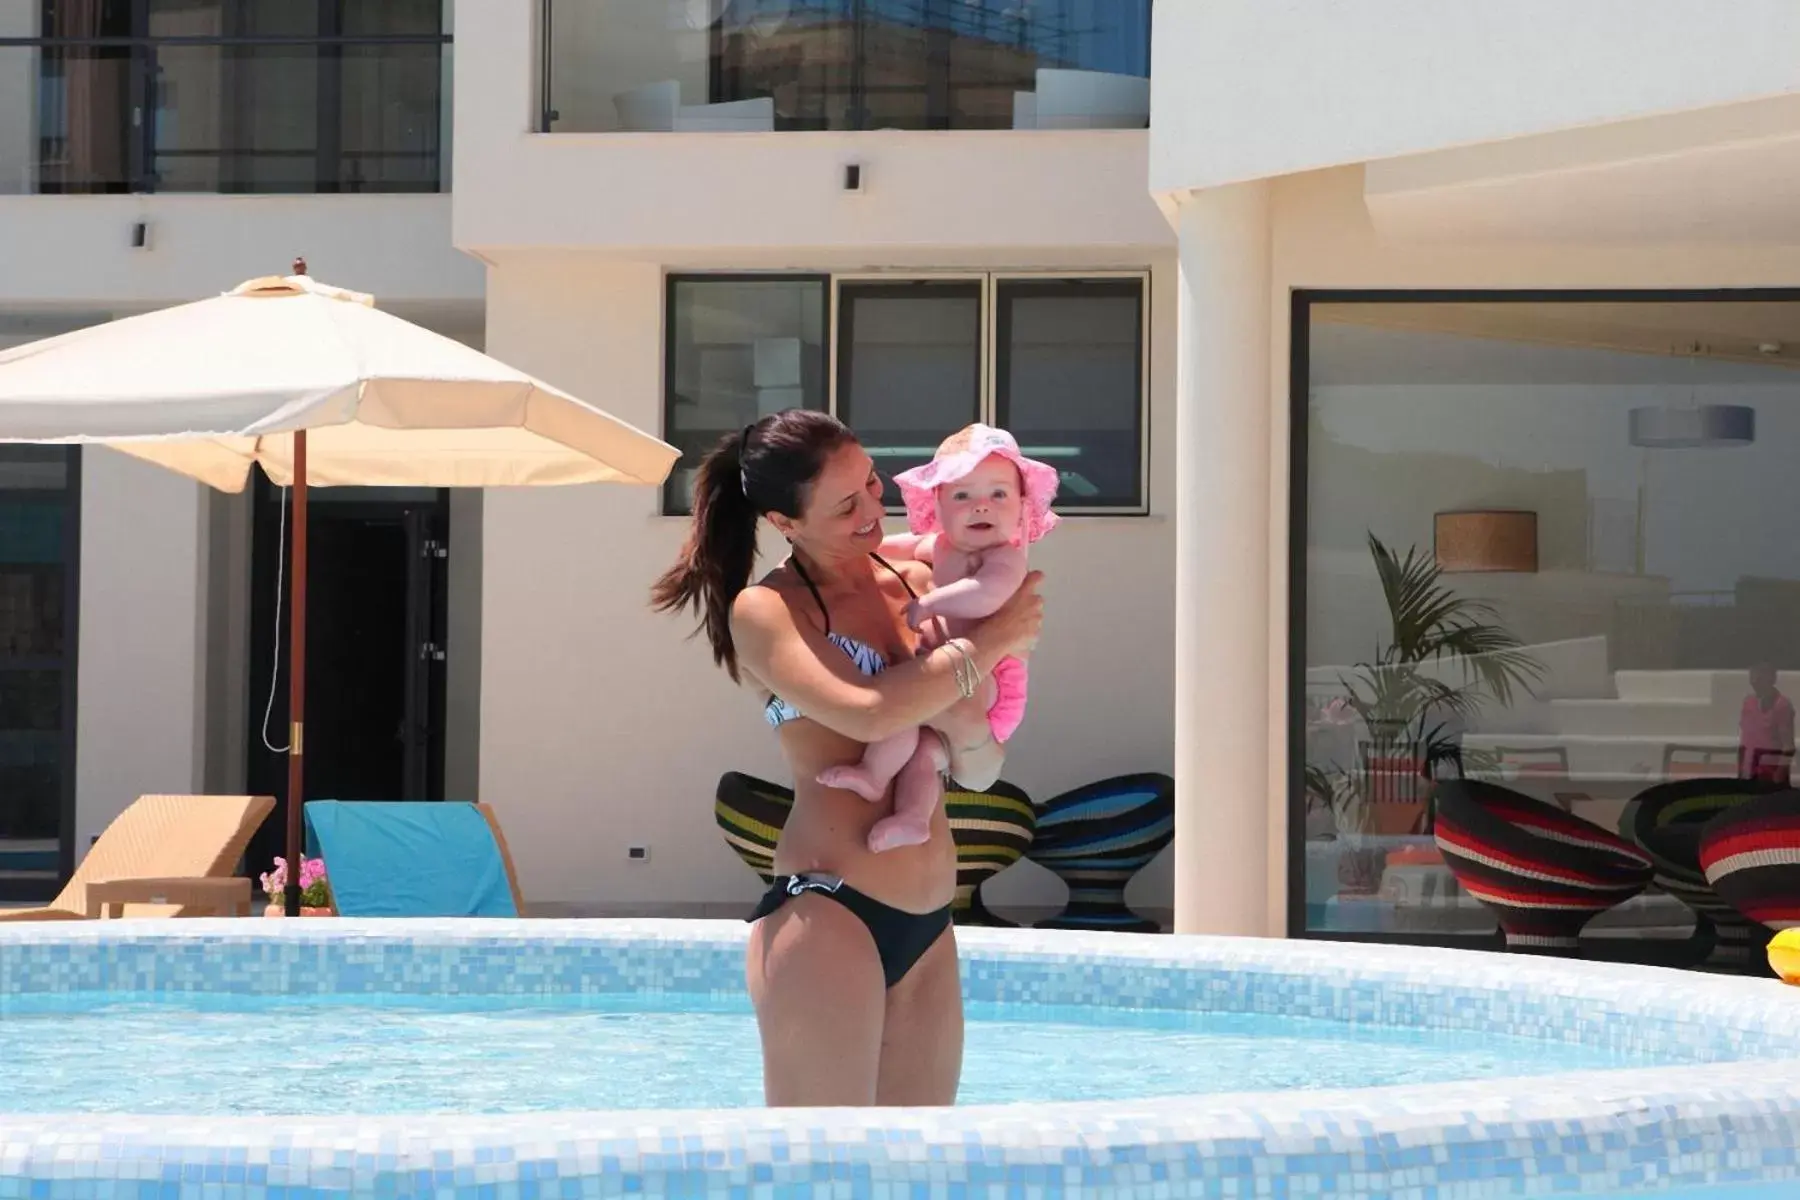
(852, 959)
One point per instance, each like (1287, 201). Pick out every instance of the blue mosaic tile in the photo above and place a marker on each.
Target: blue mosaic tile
(1730, 1114)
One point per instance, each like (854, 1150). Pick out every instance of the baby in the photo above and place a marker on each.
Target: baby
(973, 509)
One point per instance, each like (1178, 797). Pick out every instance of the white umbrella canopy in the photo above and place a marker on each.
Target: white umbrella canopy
(318, 387)
(205, 388)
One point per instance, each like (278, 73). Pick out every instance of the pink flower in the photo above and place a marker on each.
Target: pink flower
(312, 871)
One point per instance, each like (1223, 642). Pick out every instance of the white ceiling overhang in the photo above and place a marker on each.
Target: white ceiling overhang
(1723, 175)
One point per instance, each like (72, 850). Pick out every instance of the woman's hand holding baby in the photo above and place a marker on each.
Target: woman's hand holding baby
(1015, 625)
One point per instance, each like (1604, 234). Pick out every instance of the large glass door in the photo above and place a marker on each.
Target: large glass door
(40, 494)
(1544, 548)
(376, 652)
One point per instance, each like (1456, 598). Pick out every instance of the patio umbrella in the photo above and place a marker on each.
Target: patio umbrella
(318, 387)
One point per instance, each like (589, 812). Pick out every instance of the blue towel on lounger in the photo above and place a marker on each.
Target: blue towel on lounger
(404, 859)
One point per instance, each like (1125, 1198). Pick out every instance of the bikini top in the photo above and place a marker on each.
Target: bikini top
(864, 657)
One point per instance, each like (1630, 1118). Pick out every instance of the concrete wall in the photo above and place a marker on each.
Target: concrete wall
(143, 627)
(227, 625)
(643, 195)
(602, 726)
(1247, 89)
(76, 250)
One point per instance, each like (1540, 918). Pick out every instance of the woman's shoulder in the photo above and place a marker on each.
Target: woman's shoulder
(764, 601)
(915, 574)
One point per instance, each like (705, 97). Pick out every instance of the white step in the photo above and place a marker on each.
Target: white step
(1679, 719)
(1717, 687)
(1696, 686)
(1599, 755)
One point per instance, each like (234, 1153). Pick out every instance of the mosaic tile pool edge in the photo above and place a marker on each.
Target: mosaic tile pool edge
(1593, 1133)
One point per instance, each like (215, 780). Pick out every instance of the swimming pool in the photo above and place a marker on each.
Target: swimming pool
(1720, 1113)
(566, 1053)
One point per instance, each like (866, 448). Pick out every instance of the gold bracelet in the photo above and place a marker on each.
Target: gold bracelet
(968, 676)
(961, 669)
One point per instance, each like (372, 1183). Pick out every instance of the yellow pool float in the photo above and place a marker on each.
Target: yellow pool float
(1784, 955)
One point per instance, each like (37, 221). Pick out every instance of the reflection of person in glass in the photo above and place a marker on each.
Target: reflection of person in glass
(1765, 729)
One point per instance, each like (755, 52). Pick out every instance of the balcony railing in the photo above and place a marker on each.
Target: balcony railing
(721, 65)
(247, 115)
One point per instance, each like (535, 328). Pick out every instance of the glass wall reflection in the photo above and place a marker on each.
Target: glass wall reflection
(762, 65)
(1548, 547)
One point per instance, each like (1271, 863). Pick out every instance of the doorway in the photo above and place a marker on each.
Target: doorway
(375, 648)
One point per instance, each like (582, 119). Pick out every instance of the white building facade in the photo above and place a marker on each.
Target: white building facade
(152, 154)
(1335, 274)
(666, 207)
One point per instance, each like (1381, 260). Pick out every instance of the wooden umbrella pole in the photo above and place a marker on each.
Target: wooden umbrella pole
(296, 798)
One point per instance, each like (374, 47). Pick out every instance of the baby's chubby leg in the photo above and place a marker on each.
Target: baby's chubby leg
(881, 762)
(915, 799)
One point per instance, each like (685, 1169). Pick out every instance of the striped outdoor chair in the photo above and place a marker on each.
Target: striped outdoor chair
(1750, 854)
(1666, 822)
(1096, 838)
(1543, 872)
(991, 829)
(751, 812)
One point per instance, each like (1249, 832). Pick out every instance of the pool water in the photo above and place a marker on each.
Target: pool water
(243, 1055)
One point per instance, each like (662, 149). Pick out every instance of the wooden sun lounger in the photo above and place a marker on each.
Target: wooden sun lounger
(163, 838)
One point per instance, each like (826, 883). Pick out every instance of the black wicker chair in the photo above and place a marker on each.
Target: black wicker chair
(1544, 872)
(1666, 821)
(1750, 854)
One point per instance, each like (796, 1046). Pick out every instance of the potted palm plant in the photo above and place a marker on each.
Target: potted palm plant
(1445, 655)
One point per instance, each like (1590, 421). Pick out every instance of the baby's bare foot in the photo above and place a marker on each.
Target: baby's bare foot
(895, 832)
(852, 779)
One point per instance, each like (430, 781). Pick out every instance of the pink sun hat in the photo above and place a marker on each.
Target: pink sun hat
(958, 455)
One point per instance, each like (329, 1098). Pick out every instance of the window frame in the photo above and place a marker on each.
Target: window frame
(987, 375)
(69, 664)
(671, 281)
(899, 280)
(990, 412)
(1300, 304)
(544, 18)
(143, 46)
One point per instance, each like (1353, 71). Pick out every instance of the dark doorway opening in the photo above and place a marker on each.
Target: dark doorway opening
(376, 605)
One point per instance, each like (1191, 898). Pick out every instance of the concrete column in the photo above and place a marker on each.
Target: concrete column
(1223, 557)
(141, 675)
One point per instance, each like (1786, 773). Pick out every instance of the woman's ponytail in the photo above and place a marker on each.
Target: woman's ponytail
(768, 468)
(715, 562)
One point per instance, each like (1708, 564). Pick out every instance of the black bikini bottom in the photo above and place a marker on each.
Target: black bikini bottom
(900, 937)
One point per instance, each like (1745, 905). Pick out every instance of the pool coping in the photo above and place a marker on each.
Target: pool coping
(1596, 1132)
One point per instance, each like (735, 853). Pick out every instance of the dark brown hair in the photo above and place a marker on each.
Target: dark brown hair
(765, 468)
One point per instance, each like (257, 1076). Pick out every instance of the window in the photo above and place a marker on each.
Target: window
(1068, 375)
(676, 65)
(39, 511)
(738, 347)
(909, 368)
(256, 96)
(1592, 497)
(1058, 360)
